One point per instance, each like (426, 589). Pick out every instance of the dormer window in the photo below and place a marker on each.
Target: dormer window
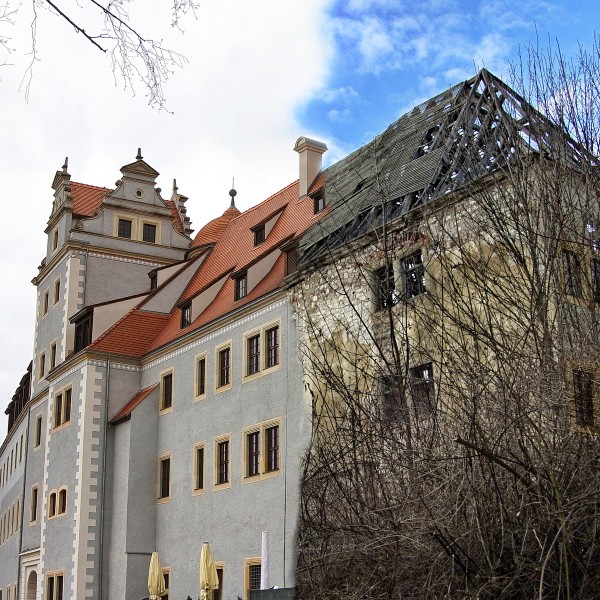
(124, 228)
(259, 234)
(241, 286)
(153, 281)
(319, 203)
(186, 315)
(83, 332)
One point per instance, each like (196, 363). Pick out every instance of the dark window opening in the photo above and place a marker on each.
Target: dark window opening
(241, 286)
(253, 354)
(186, 315)
(153, 281)
(572, 273)
(422, 388)
(201, 377)
(167, 391)
(387, 295)
(392, 397)
(253, 577)
(223, 462)
(218, 593)
(291, 260)
(583, 392)
(413, 273)
(272, 448)
(318, 203)
(259, 235)
(224, 367)
(83, 333)
(595, 268)
(253, 450)
(272, 336)
(165, 478)
(149, 233)
(124, 228)
(199, 483)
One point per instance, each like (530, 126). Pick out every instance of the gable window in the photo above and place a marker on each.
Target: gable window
(413, 275)
(318, 203)
(224, 367)
(583, 395)
(222, 461)
(253, 352)
(571, 265)
(62, 407)
(164, 477)
(241, 286)
(124, 228)
(198, 467)
(385, 288)
(149, 233)
(201, 375)
(272, 336)
(56, 291)
(422, 388)
(186, 315)
(259, 234)
(166, 391)
(83, 332)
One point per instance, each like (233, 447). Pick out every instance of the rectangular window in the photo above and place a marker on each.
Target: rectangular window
(153, 281)
(164, 477)
(42, 368)
(392, 396)
(124, 228)
(571, 264)
(83, 332)
(251, 576)
(62, 407)
(198, 467)
(149, 233)
(413, 275)
(201, 376)
(241, 286)
(253, 453)
(222, 452)
(166, 391)
(46, 301)
(218, 593)
(583, 394)
(272, 448)
(186, 315)
(34, 504)
(52, 355)
(318, 203)
(56, 291)
(54, 240)
(253, 350)
(422, 388)
(259, 234)
(38, 432)
(166, 571)
(54, 586)
(385, 288)
(291, 260)
(224, 367)
(272, 337)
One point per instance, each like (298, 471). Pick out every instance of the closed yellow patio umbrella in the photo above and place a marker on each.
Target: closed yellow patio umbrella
(156, 580)
(209, 579)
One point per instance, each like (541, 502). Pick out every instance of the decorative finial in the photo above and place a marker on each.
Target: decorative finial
(174, 186)
(139, 154)
(232, 193)
(66, 165)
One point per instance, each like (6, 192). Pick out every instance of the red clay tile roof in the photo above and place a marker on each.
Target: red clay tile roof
(86, 198)
(317, 184)
(213, 230)
(132, 335)
(126, 410)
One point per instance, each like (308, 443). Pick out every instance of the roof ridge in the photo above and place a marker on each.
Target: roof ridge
(256, 206)
(98, 187)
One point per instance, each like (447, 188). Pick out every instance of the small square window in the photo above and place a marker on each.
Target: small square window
(259, 234)
(164, 477)
(124, 228)
(186, 315)
(319, 203)
(166, 391)
(241, 286)
(149, 233)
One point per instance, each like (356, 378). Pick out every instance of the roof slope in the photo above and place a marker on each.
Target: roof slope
(86, 198)
(440, 146)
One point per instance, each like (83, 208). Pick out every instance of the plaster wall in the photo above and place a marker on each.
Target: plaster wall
(107, 315)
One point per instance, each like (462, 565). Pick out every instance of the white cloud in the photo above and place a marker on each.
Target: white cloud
(342, 94)
(339, 116)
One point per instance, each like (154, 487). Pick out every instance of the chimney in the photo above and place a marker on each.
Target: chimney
(310, 152)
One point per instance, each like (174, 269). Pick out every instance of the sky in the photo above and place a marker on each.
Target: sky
(259, 74)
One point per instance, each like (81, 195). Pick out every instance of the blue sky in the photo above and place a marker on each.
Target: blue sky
(260, 74)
